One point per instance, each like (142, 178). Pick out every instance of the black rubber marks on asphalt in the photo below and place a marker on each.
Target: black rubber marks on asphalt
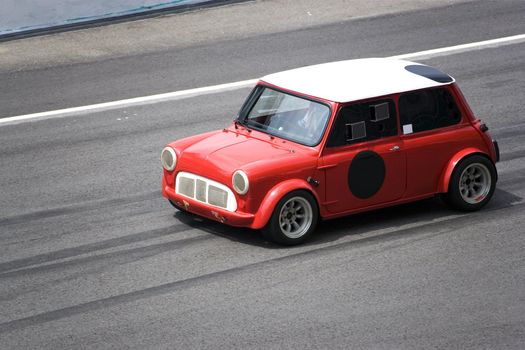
(366, 174)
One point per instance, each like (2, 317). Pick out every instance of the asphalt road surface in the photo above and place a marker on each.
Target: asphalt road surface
(92, 256)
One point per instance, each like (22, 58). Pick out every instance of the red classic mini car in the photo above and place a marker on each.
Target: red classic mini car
(333, 139)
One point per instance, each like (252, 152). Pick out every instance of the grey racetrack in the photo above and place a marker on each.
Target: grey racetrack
(92, 256)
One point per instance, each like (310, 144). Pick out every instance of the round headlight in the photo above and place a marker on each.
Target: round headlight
(240, 182)
(168, 158)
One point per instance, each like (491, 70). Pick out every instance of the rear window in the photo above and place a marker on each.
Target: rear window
(427, 110)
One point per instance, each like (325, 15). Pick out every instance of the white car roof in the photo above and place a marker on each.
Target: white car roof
(359, 79)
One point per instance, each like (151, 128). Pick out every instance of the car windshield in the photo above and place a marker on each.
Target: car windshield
(288, 116)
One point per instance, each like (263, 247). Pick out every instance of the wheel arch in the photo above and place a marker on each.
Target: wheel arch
(444, 181)
(275, 194)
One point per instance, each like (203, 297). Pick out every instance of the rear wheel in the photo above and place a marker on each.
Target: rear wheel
(293, 220)
(472, 183)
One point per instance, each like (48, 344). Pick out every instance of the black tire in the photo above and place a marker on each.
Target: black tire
(296, 209)
(472, 183)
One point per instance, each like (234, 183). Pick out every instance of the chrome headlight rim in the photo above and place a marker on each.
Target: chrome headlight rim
(244, 177)
(166, 164)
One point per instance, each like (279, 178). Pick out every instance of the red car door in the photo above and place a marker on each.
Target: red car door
(364, 160)
(362, 176)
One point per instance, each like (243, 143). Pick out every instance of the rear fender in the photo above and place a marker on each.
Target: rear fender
(273, 197)
(449, 169)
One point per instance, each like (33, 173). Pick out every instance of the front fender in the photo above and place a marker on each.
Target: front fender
(451, 165)
(274, 196)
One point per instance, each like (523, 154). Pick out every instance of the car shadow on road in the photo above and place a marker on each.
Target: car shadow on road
(236, 234)
(391, 218)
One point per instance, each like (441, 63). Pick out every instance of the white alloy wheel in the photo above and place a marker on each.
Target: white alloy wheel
(295, 217)
(474, 183)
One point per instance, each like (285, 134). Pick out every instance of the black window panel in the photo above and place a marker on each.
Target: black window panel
(428, 109)
(349, 117)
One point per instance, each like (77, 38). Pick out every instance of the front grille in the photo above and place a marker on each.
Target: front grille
(205, 190)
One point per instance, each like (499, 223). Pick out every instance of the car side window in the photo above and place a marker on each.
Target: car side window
(366, 121)
(427, 110)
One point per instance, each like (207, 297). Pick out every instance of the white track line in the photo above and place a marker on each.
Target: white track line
(451, 50)
(176, 95)
(169, 96)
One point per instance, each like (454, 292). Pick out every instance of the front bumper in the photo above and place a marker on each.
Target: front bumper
(236, 218)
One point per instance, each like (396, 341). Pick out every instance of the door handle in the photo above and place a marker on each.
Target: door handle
(395, 148)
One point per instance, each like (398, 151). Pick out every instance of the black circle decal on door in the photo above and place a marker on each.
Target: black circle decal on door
(366, 174)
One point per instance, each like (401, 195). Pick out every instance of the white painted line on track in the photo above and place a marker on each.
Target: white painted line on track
(176, 95)
(169, 96)
(451, 50)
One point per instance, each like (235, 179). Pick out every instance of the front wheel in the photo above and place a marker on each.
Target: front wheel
(293, 220)
(472, 183)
